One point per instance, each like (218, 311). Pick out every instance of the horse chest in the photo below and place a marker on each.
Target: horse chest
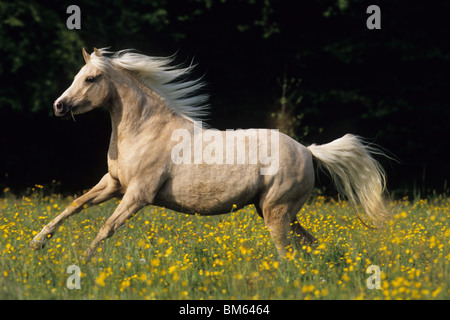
(120, 161)
(132, 165)
(119, 171)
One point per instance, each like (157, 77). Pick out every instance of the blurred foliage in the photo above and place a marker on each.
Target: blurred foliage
(389, 85)
(34, 44)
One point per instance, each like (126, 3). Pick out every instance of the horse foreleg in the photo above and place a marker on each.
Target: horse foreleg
(106, 189)
(130, 204)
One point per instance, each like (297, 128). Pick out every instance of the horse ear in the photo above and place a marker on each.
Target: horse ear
(86, 56)
(97, 52)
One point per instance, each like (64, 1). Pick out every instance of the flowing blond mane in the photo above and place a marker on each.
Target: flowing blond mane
(170, 82)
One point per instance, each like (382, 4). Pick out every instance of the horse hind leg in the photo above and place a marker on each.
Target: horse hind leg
(284, 228)
(301, 236)
(285, 233)
(278, 217)
(277, 221)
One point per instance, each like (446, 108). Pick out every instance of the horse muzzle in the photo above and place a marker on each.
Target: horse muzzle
(61, 108)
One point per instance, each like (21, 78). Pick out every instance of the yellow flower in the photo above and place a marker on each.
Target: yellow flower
(172, 269)
(307, 248)
(155, 262)
(321, 246)
(436, 292)
(125, 284)
(101, 279)
(143, 277)
(169, 251)
(243, 250)
(308, 288)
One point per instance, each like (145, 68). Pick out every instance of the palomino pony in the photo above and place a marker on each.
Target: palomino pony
(149, 101)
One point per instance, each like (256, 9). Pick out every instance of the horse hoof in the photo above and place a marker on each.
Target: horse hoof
(37, 243)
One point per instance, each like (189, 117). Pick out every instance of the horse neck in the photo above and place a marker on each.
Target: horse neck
(133, 105)
(134, 109)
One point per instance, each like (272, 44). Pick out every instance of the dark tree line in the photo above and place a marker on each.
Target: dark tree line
(311, 69)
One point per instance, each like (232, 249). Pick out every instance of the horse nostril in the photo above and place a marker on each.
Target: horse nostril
(59, 106)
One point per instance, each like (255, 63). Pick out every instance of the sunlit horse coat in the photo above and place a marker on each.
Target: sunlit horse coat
(148, 101)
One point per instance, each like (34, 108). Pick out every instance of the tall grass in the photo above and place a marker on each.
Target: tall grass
(161, 254)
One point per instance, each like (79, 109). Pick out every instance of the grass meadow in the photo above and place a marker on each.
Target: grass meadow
(161, 254)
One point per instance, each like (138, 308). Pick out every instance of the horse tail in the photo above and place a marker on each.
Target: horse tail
(356, 174)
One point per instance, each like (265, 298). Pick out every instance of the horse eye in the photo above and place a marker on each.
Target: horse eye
(90, 79)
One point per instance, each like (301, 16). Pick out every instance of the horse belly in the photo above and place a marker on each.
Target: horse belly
(210, 189)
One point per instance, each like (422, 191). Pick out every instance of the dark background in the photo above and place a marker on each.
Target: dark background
(310, 68)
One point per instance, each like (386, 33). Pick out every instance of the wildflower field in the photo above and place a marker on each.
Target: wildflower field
(161, 254)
